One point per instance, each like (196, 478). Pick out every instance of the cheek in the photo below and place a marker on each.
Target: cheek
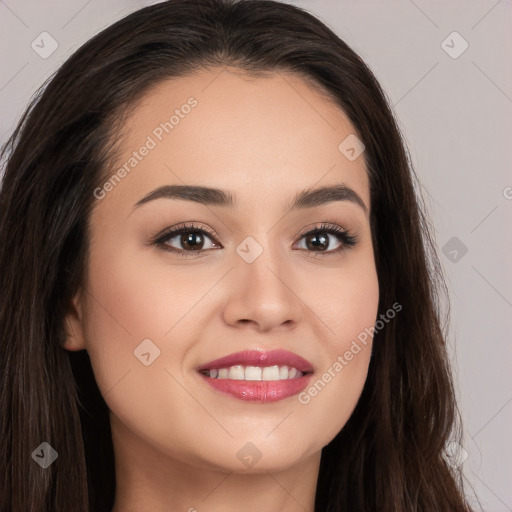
(134, 295)
(345, 300)
(329, 401)
(141, 296)
(350, 312)
(130, 300)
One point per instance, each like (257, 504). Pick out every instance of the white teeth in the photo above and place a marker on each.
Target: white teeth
(270, 373)
(292, 372)
(236, 373)
(253, 373)
(239, 372)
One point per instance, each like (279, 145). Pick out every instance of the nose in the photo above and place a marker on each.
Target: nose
(261, 294)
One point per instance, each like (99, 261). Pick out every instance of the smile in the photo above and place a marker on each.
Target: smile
(258, 376)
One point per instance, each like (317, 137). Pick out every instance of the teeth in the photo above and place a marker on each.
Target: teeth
(270, 373)
(236, 373)
(239, 372)
(253, 373)
(292, 372)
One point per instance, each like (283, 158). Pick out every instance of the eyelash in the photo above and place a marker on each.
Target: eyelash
(345, 236)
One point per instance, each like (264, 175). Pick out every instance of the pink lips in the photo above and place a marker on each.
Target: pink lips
(260, 391)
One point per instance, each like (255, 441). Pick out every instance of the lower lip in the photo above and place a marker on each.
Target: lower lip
(259, 390)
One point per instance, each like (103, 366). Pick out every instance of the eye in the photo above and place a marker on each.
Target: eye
(191, 239)
(318, 240)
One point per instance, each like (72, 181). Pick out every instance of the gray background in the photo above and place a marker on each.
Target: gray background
(456, 117)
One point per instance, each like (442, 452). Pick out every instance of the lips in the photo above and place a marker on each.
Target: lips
(260, 358)
(283, 374)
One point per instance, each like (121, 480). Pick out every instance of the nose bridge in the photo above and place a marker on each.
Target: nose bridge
(262, 262)
(262, 291)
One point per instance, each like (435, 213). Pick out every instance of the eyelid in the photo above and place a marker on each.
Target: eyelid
(190, 226)
(194, 225)
(316, 226)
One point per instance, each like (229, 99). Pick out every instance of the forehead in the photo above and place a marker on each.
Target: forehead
(265, 134)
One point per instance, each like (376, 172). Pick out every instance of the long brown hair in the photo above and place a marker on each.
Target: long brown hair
(390, 456)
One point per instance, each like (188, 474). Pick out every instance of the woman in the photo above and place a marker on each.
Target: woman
(219, 287)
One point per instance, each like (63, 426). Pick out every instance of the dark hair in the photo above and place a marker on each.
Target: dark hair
(390, 455)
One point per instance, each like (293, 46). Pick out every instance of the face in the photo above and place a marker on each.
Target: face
(252, 274)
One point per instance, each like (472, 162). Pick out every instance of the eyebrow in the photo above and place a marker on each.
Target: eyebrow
(307, 198)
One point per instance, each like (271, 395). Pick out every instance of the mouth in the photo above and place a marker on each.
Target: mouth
(257, 375)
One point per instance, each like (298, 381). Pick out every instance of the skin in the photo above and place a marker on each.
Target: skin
(175, 439)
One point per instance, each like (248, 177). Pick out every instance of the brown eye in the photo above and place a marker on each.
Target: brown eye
(192, 240)
(319, 239)
(186, 240)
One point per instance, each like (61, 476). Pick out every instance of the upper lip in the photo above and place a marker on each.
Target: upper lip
(279, 357)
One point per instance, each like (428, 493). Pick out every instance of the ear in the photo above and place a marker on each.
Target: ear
(75, 339)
